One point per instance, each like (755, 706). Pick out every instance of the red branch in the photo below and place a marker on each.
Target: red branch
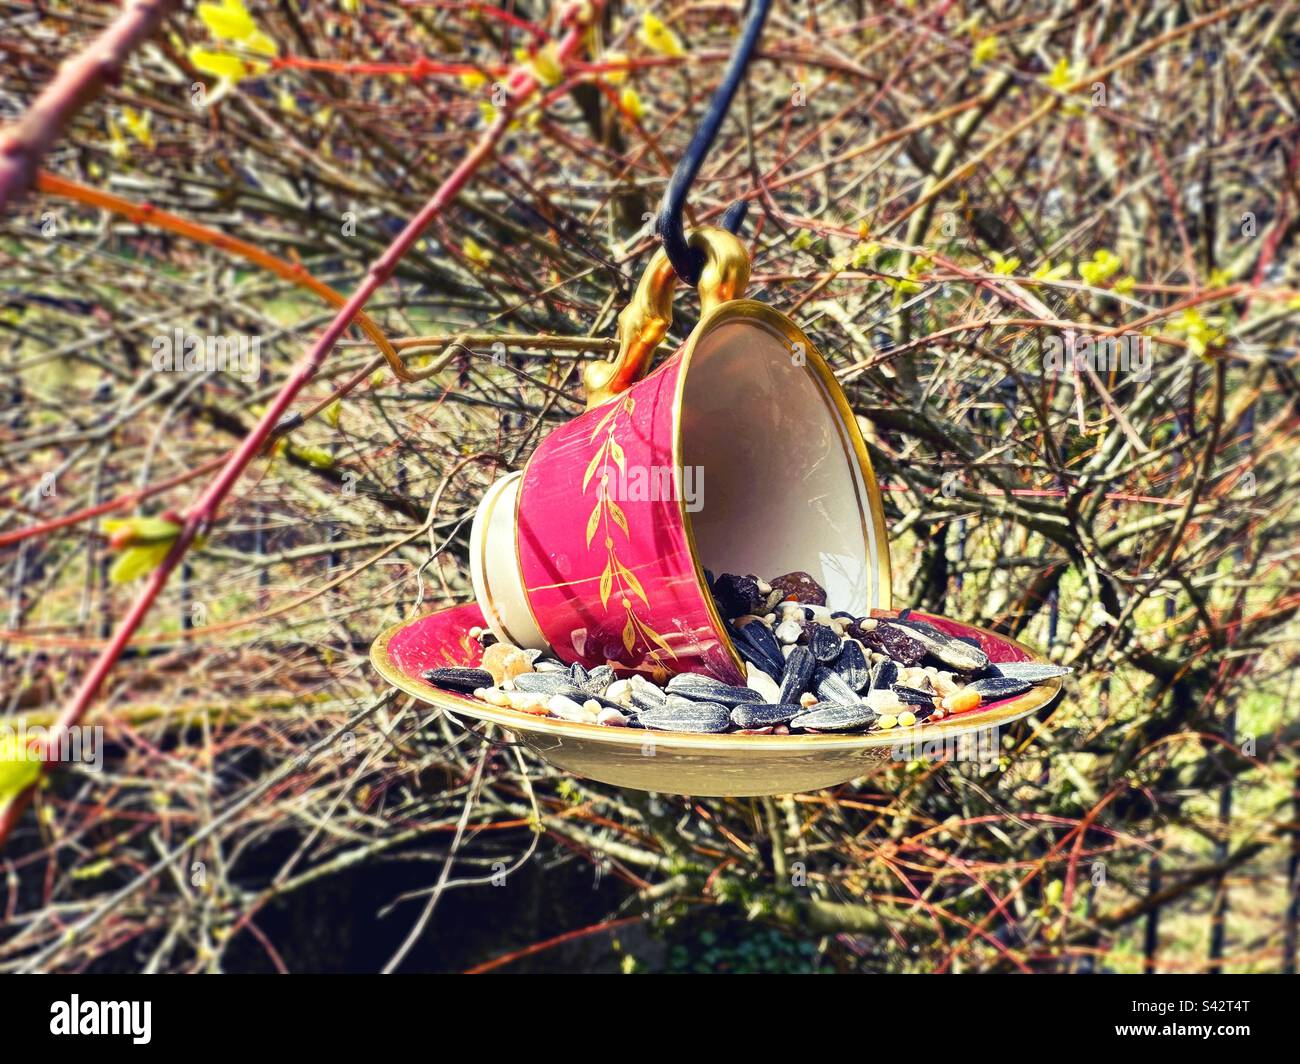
(520, 86)
(24, 144)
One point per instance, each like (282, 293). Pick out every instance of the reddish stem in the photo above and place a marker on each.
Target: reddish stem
(80, 80)
(202, 513)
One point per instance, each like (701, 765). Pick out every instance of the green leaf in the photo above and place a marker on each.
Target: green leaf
(144, 529)
(138, 560)
(19, 768)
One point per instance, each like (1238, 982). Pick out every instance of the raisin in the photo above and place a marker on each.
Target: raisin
(737, 595)
(800, 587)
(886, 639)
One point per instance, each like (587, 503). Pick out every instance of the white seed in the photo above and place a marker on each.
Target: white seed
(620, 691)
(883, 700)
(764, 588)
(525, 700)
(567, 709)
(612, 718)
(757, 680)
(788, 632)
(807, 699)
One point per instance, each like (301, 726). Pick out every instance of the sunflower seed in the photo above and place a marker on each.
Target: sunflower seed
(831, 687)
(599, 679)
(852, 665)
(764, 715)
(913, 696)
(683, 714)
(993, 688)
(835, 718)
(1030, 671)
(644, 694)
(824, 643)
(884, 675)
(456, 679)
(756, 644)
(955, 653)
(798, 671)
(707, 689)
(550, 683)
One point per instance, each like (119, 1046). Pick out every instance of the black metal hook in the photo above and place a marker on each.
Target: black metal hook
(686, 260)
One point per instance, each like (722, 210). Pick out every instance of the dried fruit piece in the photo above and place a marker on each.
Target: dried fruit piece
(800, 587)
(898, 644)
(955, 653)
(505, 662)
(457, 679)
(737, 595)
(961, 700)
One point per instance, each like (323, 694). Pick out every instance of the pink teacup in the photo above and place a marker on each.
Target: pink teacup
(738, 454)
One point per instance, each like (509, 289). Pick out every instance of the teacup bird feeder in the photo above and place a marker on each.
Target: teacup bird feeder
(562, 563)
(596, 552)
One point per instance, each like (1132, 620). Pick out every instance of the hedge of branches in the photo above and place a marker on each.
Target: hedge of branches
(1050, 250)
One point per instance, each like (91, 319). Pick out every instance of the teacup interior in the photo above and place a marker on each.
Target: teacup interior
(771, 476)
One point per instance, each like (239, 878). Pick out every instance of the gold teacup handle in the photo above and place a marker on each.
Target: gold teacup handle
(646, 319)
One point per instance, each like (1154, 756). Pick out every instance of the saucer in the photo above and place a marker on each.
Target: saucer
(702, 764)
